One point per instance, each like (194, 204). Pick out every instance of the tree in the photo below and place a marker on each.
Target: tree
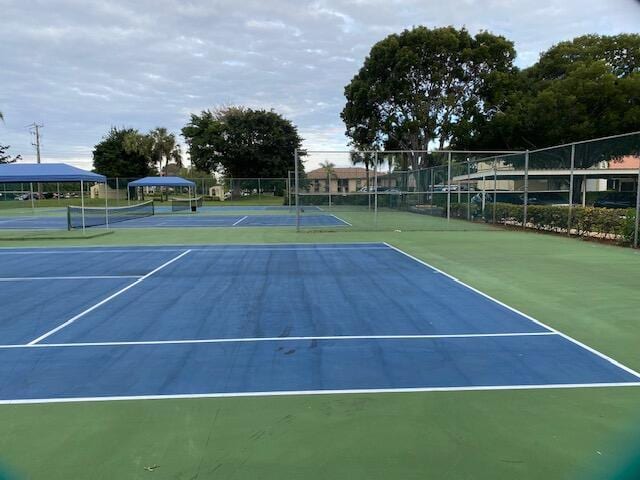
(418, 87)
(366, 159)
(119, 155)
(586, 88)
(5, 157)
(330, 171)
(242, 143)
(582, 89)
(164, 147)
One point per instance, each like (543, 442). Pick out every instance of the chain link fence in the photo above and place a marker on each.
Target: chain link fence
(585, 188)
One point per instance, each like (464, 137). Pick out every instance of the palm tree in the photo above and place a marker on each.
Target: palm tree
(329, 170)
(164, 146)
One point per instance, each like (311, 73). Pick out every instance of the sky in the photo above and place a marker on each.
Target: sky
(79, 67)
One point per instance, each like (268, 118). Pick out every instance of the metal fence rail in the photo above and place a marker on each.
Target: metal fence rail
(378, 190)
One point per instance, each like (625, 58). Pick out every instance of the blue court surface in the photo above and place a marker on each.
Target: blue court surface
(183, 220)
(112, 323)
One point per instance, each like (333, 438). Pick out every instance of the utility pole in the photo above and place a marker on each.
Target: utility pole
(34, 128)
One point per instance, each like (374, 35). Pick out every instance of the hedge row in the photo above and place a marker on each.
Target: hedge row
(615, 224)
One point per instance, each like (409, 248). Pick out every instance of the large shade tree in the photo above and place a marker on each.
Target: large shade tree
(119, 154)
(580, 89)
(242, 143)
(416, 89)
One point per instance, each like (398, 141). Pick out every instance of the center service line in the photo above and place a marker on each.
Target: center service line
(90, 309)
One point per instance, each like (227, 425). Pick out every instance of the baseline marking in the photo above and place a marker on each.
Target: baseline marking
(111, 297)
(276, 339)
(72, 250)
(89, 277)
(319, 392)
(241, 220)
(564, 335)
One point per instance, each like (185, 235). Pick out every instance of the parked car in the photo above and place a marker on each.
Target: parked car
(617, 200)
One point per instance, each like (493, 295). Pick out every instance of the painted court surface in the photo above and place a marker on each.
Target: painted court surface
(183, 220)
(145, 322)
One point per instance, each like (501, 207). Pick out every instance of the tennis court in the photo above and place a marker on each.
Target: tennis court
(207, 217)
(170, 322)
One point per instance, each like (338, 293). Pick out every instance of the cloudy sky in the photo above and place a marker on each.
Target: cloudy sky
(81, 66)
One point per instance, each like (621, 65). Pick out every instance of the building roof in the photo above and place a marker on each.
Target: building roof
(162, 182)
(46, 172)
(628, 161)
(338, 172)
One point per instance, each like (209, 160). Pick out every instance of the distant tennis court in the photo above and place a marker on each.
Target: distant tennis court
(143, 322)
(162, 217)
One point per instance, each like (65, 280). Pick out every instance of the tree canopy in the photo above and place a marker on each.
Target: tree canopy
(585, 88)
(242, 143)
(422, 86)
(117, 155)
(5, 157)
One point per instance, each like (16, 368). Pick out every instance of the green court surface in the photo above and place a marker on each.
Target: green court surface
(584, 289)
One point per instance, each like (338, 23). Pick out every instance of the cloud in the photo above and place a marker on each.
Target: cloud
(81, 67)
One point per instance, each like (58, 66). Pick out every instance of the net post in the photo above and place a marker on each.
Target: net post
(68, 218)
(636, 234)
(258, 188)
(526, 190)
(297, 193)
(82, 204)
(573, 165)
(449, 186)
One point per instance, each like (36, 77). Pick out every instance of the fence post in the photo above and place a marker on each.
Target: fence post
(637, 223)
(573, 166)
(448, 186)
(295, 157)
(495, 188)
(526, 189)
(469, 189)
(375, 188)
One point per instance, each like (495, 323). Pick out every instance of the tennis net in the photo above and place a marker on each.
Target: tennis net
(95, 216)
(182, 204)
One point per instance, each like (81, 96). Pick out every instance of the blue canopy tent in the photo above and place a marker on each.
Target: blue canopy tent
(173, 182)
(49, 173)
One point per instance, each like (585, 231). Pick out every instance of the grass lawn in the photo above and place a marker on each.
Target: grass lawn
(585, 289)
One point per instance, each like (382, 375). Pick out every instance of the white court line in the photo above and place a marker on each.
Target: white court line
(163, 248)
(90, 309)
(564, 335)
(72, 250)
(277, 339)
(340, 219)
(87, 277)
(281, 393)
(239, 248)
(241, 220)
